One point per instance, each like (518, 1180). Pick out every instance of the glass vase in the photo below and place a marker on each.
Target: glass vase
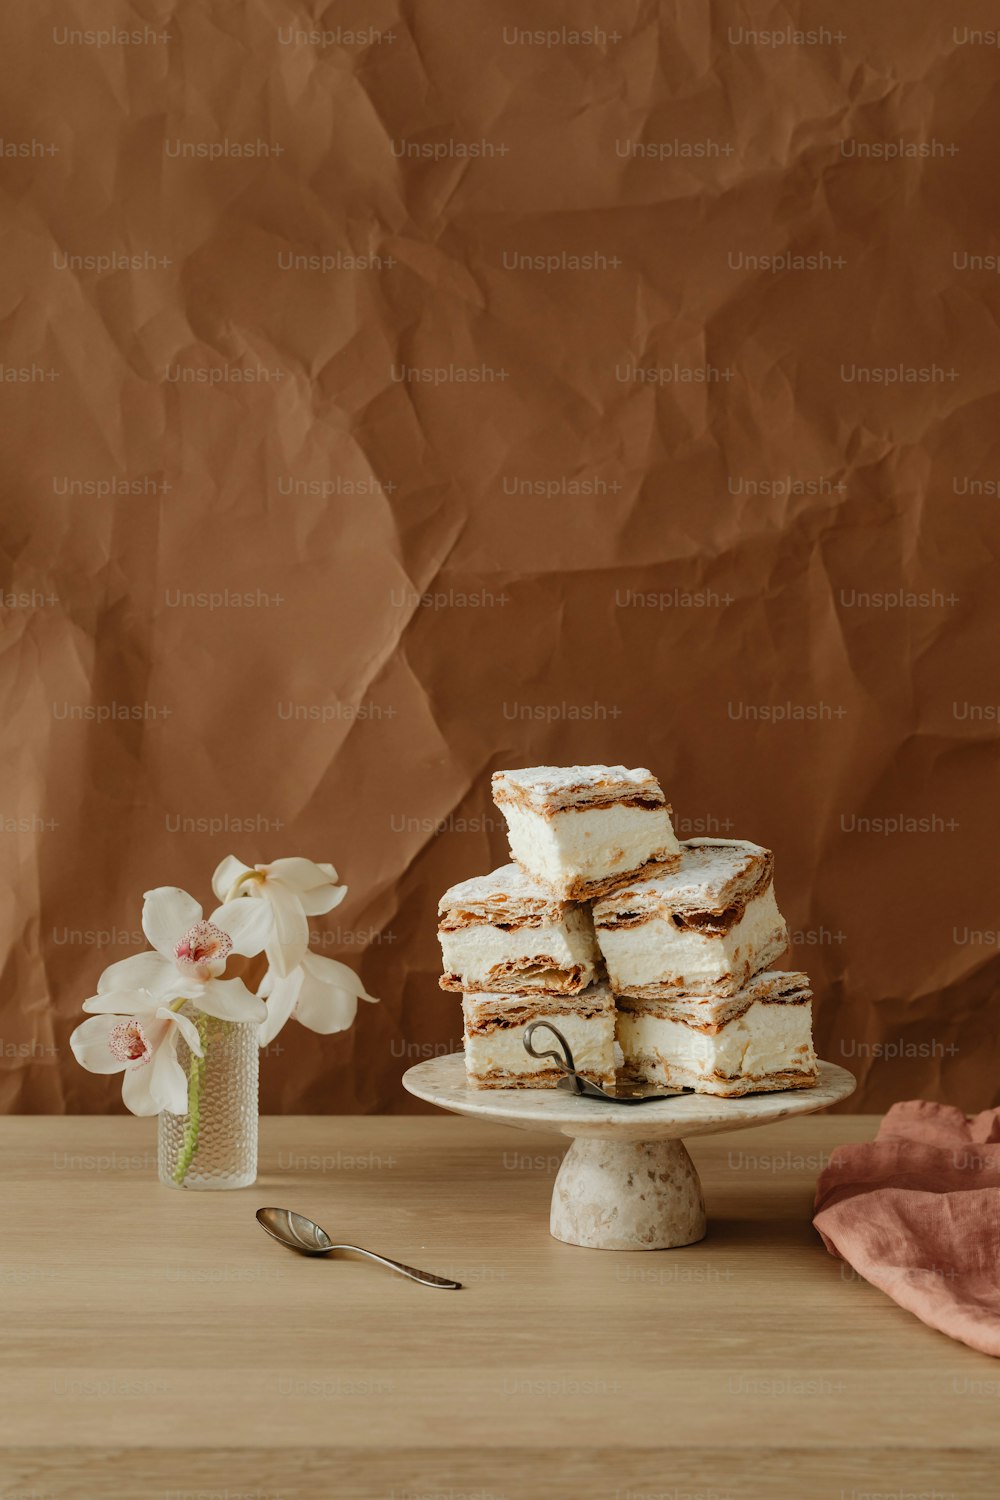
(214, 1145)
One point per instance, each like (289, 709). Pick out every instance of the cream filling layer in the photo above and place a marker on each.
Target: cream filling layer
(591, 1040)
(657, 952)
(766, 1039)
(478, 952)
(588, 845)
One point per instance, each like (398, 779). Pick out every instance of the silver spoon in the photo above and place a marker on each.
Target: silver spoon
(300, 1233)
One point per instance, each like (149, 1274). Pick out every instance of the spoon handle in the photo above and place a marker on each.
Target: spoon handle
(424, 1277)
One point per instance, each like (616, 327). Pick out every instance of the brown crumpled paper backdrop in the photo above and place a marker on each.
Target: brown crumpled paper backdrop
(272, 588)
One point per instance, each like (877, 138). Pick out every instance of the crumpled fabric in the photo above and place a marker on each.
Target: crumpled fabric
(916, 1212)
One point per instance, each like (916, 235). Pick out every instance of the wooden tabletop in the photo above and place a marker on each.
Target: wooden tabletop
(157, 1344)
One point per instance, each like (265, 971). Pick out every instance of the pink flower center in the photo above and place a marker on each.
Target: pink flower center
(203, 950)
(128, 1043)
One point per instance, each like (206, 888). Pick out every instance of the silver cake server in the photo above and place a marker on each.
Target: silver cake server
(575, 1083)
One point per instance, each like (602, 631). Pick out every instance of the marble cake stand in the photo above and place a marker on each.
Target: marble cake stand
(626, 1182)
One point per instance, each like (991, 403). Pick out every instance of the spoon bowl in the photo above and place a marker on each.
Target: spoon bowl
(294, 1230)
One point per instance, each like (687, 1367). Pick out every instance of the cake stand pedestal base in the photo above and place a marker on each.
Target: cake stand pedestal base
(627, 1195)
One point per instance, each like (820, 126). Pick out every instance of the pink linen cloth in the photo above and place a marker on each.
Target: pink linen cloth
(917, 1213)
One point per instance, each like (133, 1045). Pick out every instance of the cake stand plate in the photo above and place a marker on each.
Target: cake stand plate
(626, 1182)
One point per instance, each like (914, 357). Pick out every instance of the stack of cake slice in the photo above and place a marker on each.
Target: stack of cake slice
(519, 944)
(519, 954)
(688, 957)
(687, 932)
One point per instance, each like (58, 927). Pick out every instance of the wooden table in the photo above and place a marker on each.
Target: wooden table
(157, 1344)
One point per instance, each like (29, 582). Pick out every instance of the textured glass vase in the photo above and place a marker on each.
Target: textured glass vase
(214, 1145)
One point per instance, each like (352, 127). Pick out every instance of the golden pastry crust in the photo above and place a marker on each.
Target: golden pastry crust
(507, 898)
(707, 891)
(718, 1084)
(710, 1013)
(535, 976)
(544, 1079)
(547, 790)
(497, 1011)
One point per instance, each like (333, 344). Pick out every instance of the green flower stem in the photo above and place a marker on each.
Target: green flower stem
(196, 1073)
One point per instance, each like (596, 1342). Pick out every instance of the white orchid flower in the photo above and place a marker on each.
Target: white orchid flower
(320, 992)
(135, 1017)
(197, 950)
(294, 889)
(143, 1045)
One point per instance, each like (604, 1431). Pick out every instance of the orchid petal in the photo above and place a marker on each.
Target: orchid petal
(185, 1026)
(91, 1045)
(318, 902)
(149, 972)
(280, 1004)
(121, 1003)
(314, 885)
(290, 940)
(228, 1000)
(248, 922)
(227, 873)
(325, 1004)
(332, 971)
(297, 874)
(158, 1084)
(167, 914)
